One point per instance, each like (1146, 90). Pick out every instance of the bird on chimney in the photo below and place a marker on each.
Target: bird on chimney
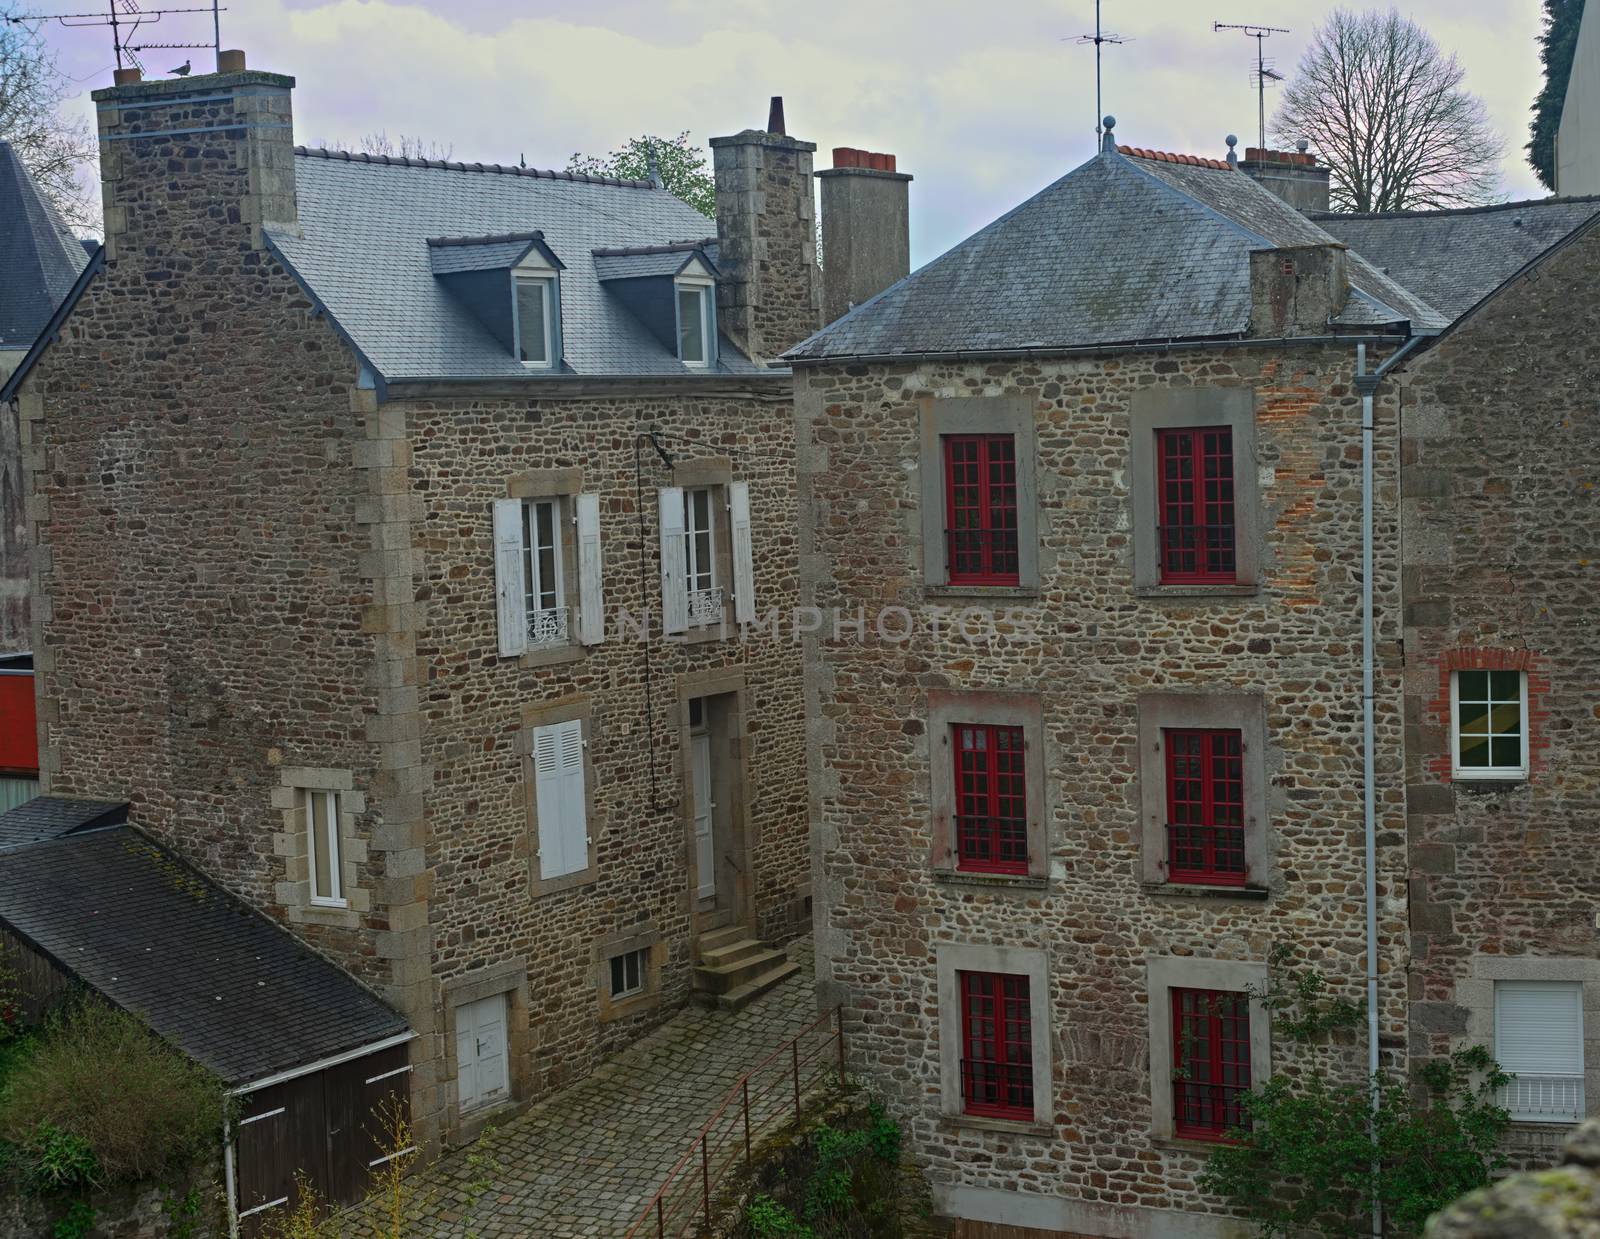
(182, 70)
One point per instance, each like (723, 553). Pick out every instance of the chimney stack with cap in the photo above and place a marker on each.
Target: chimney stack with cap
(1295, 176)
(770, 295)
(866, 228)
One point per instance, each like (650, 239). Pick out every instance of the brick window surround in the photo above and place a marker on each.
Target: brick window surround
(996, 1045)
(1030, 965)
(293, 843)
(1189, 853)
(1166, 975)
(1211, 1043)
(980, 525)
(978, 418)
(1440, 710)
(1203, 409)
(993, 715)
(1195, 499)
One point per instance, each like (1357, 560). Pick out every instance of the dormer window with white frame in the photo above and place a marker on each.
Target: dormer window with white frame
(695, 292)
(535, 314)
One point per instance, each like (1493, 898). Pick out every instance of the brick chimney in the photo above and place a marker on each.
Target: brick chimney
(191, 164)
(866, 228)
(1295, 291)
(1295, 176)
(770, 297)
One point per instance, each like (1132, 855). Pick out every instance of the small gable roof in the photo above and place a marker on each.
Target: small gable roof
(156, 937)
(640, 262)
(40, 259)
(1123, 249)
(452, 255)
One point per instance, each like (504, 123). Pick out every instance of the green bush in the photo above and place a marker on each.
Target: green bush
(98, 1098)
(836, 1182)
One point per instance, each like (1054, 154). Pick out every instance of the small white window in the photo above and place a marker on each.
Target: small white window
(535, 321)
(1538, 1038)
(628, 974)
(694, 324)
(322, 836)
(544, 599)
(700, 555)
(1489, 724)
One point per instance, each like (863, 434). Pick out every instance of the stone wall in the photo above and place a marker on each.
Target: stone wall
(14, 634)
(1498, 443)
(1089, 644)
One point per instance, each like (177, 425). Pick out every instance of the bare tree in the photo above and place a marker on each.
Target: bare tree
(406, 146)
(1384, 108)
(52, 147)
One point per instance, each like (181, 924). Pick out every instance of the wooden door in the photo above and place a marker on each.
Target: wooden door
(281, 1141)
(705, 848)
(482, 1071)
(368, 1111)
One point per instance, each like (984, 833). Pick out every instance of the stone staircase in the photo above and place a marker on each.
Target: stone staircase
(736, 969)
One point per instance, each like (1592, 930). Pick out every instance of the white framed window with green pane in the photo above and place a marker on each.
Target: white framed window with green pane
(697, 321)
(1489, 724)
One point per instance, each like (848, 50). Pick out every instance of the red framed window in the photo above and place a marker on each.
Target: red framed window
(991, 799)
(980, 473)
(996, 1045)
(1205, 807)
(1210, 1061)
(1196, 521)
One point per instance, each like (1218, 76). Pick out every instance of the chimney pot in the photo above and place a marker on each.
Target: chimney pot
(230, 61)
(126, 77)
(775, 116)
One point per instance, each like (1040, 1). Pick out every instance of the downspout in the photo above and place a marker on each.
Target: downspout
(1367, 385)
(227, 1169)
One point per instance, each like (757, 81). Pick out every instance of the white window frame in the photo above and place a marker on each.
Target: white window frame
(1493, 773)
(701, 585)
(1509, 1095)
(703, 290)
(616, 963)
(334, 898)
(547, 285)
(544, 633)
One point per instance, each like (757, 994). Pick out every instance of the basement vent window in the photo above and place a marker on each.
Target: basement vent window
(628, 973)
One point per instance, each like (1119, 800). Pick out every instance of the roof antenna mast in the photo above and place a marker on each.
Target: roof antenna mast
(1097, 38)
(1263, 72)
(125, 17)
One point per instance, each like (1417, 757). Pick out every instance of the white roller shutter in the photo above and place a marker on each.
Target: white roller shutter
(591, 601)
(744, 566)
(509, 585)
(558, 799)
(1538, 1037)
(674, 570)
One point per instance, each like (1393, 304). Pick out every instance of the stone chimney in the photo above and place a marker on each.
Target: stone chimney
(866, 228)
(1296, 291)
(770, 296)
(196, 163)
(1295, 176)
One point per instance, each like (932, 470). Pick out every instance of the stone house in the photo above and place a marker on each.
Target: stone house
(1100, 767)
(410, 536)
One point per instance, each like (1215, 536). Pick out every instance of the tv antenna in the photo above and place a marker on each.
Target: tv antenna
(125, 17)
(1263, 72)
(1098, 38)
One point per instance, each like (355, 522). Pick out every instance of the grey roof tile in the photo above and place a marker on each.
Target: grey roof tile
(364, 255)
(50, 817)
(40, 259)
(1456, 258)
(208, 974)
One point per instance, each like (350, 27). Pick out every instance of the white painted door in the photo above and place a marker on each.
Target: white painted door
(481, 1052)
(704, 846)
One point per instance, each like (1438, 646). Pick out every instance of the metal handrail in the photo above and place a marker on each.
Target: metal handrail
(702, 1168)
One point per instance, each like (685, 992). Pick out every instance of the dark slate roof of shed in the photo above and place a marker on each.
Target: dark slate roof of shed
(50, 817)
(1458, 257)
(40, 259)
(1120, 250)
(362, 252)
(229, 988)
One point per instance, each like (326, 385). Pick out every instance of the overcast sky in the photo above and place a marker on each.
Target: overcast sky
(983, 103)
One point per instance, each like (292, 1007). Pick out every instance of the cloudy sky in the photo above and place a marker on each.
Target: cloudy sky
(983, 102)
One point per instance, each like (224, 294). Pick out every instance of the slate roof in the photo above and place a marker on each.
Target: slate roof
(158, 938)
(449, 255)
(1123, 249)
(50, 817)
(364, 256)
(642, 261)
(1458, 257)
(40, 259)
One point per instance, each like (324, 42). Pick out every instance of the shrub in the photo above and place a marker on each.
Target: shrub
(98, 1080)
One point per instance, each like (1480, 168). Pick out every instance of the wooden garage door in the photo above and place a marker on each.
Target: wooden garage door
(329, 1129)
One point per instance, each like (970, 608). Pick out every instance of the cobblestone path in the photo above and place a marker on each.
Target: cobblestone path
(585, 1161)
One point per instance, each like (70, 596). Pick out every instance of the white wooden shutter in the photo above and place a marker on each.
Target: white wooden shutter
(558, 799)
(510, 588)
(674, 570)
(591, 601)
(744, 564)
(1538, 1037)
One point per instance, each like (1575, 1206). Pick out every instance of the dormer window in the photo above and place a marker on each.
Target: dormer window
(672, 290)
(535, 343)
(694, 322)
(511, 283)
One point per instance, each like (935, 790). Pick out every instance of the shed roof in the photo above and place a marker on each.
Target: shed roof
(205, 971)
(50, 817)
(40, 259)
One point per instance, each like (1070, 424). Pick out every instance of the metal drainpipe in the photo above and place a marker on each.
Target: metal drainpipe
(1367, 385)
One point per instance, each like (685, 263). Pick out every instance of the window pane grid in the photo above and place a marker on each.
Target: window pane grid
(991, 799)
(1205, 806)
(1211, 1062)
(541, 571)
(996, 1045)
(627, 974)
(1489, 723)
(1196, 525)
(981, 509)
